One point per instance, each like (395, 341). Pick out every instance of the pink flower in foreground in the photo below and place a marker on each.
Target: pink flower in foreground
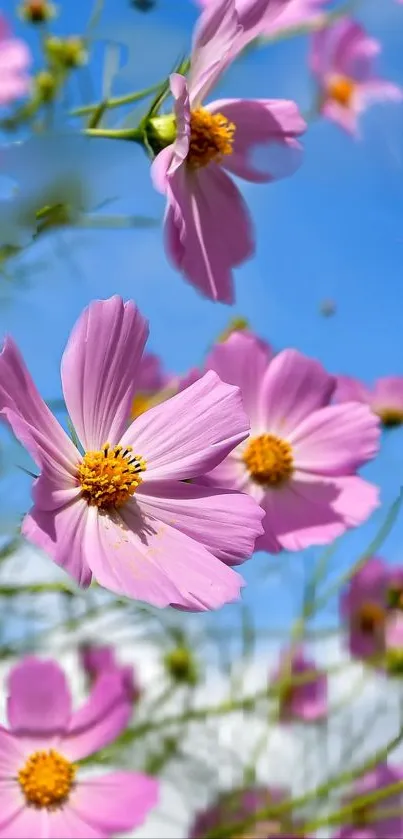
(366, 819)
(96, 660)
(301, 458)
(151, 381)
(367, 606)
(41, 792)
(120, 510)
(15, 59)
(305, 701)
(240, 805)
(343, 61)
(207, 226)
(259, 20)
(385, 398)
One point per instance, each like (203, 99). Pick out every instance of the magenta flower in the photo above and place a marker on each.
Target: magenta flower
(366, 819)
(41, 792)
(343, 61)
(207, 227)
(236, 806)
(120, 510)
(301, 458)
(385, 398)
(364, 608)
(304, 701)
(260, 19)
(151, 380)
(96, 660)
(15, 58)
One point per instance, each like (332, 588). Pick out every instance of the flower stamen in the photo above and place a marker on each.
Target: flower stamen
(109, 477)
(371, 618)
(46, 779)
(340, 89)
(211, 138)
(269, 460)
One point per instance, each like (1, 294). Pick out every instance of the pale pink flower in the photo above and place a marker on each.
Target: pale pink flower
(119, 510)
(385, 398)
(301, 458)
(304, 701)
(264, 20)
(207, 226)
(15, 58)
(41, 791)
(151, 380)
(367, 820)
(343, 61)
(97, 660)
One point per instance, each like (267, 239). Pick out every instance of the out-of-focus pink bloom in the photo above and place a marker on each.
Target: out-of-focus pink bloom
(151, 381)
(41, 791)
(121, 511)
(366, 819)
(364, 606)
(343, 61)
(385, 398)
(237, 806)
(301, 458)
(305, 701)
(15, 58)
(207, 226)
(269, 21)
(96, 660)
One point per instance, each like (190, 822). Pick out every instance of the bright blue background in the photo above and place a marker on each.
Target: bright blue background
(333, 230)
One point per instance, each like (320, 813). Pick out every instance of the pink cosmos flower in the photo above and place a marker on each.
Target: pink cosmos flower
(151, 380)
(269, 21)
(119, 510)
(15, 59)
(237, 806)
(366, 604)
(41, 792)
(96, 660)
(207, 226)
(385, 398)
(343, 61)
(366, 820)
(305, 701)
(301, 458)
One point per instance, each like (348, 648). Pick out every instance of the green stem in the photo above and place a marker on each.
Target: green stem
(117, 101)
(135, 135)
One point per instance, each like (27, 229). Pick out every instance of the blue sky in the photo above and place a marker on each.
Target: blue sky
(333, 230)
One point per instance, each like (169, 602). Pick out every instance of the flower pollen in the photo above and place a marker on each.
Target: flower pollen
(109, 477)
(46, 779)
(390, 417)
(211, 138)
(371, 617)
(340, 89)
(269, 460)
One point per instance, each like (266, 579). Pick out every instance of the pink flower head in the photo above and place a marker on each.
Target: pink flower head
(151, 381)
(41, 792)
(300, 700)
(343, 61)
(301, 458)
(239, 805)
(207, 226)
(120, 510)
(97, 660)
(15, 59)
(260, 20)
(385, 398)
(366, 819)
(364, 604)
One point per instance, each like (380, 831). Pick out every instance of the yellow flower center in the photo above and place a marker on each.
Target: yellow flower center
(141, 403)
(269, 460)
(371, 617)
(390, 417)
(341, 90)
(110, 476)
(211, 138)
(46, 779)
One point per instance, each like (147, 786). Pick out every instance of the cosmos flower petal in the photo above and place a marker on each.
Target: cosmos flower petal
(207, 229)
(29, 821)
(293, 387)
(265, 146)
(314, 511)
(190, 433)
(116, 802)
(100, 721)
(214, 39)
(99, 368)
(242, 360)
(226, 523)
(11, 801)
(14, 56)
(336, 440)
(39, 701)
(388, 392)
(349, 389)
(140, 557)
(12, 757)
(31, 420)
(60, 533)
